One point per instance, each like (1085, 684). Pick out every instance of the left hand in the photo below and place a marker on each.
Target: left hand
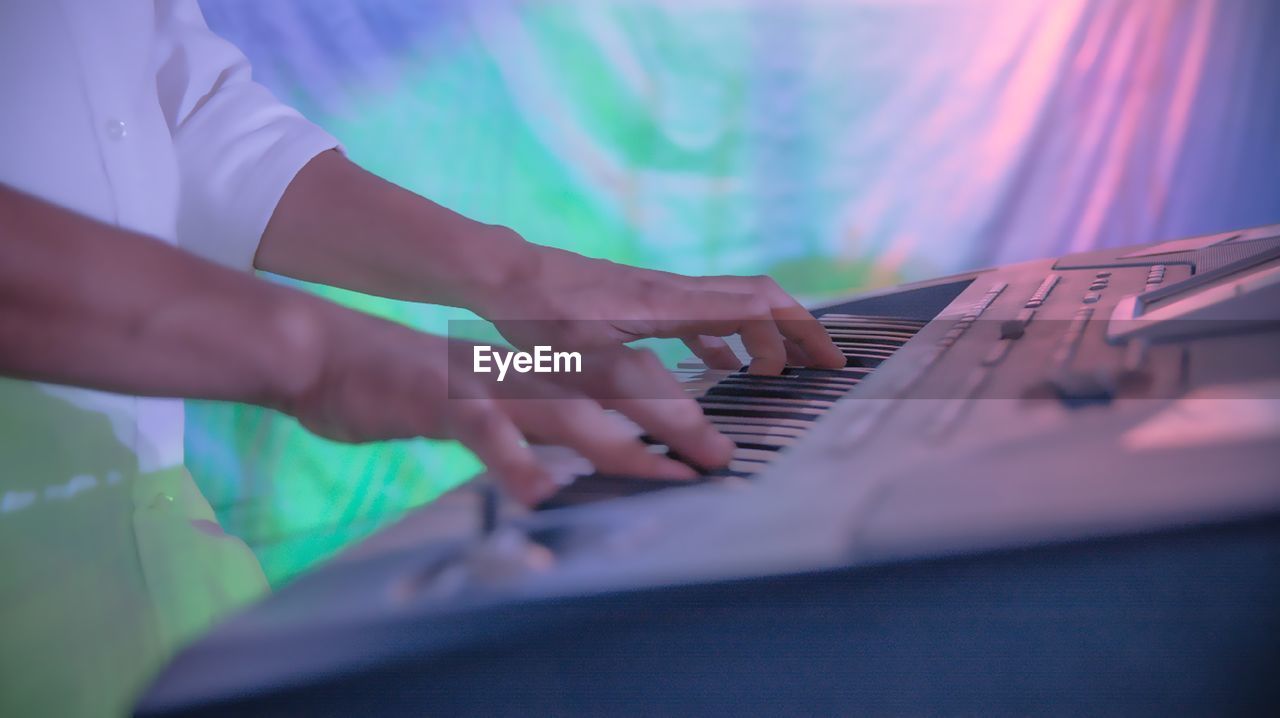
(569, 301)
(412, 249)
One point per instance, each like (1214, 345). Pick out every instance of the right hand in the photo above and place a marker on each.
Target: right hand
(371, 380)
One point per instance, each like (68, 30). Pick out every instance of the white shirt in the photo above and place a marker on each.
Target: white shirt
(132, 112)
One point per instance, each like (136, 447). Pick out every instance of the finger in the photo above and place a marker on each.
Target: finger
(582, 425)
(482, 427)
(763, 341)
(795, 322)
(680, 312)
(796, 356)
(635, 383)
(713, 351)
(808, 335)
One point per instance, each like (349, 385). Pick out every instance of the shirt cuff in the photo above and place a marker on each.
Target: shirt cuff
(228, 230)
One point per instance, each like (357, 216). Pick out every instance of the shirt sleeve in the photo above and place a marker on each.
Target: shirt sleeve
(238, 147)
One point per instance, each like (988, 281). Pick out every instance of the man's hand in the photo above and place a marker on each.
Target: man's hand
(570, 301)
(377, 380)
(86, 304)
(340, 225)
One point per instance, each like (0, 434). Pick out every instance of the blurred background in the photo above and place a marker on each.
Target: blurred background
(837, 145)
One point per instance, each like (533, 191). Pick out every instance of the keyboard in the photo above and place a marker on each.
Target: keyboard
(1050, 483)
(763, 415)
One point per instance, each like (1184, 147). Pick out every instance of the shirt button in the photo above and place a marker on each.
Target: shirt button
(116, 129)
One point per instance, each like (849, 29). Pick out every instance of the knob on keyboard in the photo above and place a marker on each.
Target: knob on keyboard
(763, 415)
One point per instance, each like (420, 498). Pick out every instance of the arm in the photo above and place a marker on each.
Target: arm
(87, 304)
(340, 225)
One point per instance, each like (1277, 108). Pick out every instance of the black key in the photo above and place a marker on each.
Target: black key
(866, 350)
(843, 379)
(757, 432)
(781, 393)
(885, 329)
(869, 362)
(759, 456)
(825, 390)
(887, 337)
(765, 423)
(760, 394)
(853, 374)
(789, 379)
(713, 400)
(759, 441)
(869, 319)
(879, 331)
(743, 413)
(806, 407)
(881, 344)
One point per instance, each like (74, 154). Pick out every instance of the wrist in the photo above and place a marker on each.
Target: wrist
(298, 332)
(502, 269)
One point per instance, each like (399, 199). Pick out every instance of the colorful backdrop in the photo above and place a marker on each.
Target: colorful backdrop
(834, 144)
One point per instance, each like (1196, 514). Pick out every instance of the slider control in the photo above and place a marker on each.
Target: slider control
(1016, 327)
(1012, 329)
(1078, 388)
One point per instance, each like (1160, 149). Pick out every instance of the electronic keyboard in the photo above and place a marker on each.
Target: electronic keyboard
(1051, 486)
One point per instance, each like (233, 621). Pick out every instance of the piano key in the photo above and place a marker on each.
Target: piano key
(887, 344)
(755, 431)
(902, 334)
(883, 345)
(759, 441)
(816, 390)
(882, 350)
(804, 390)
(852, 374)
(801, 424)
(780, 392)
(740, 412)
(836, 325)
(869, 350)
(833, 323)
(885, 334)
(897, 329)
(730, 427)
(763, 456)
(847, 376)
(792, 383)
(763, 415)
(837, 316)
(764, 402)
(865, 344)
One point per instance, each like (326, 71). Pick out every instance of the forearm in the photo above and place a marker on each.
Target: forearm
(342, 226)
(87, 304)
